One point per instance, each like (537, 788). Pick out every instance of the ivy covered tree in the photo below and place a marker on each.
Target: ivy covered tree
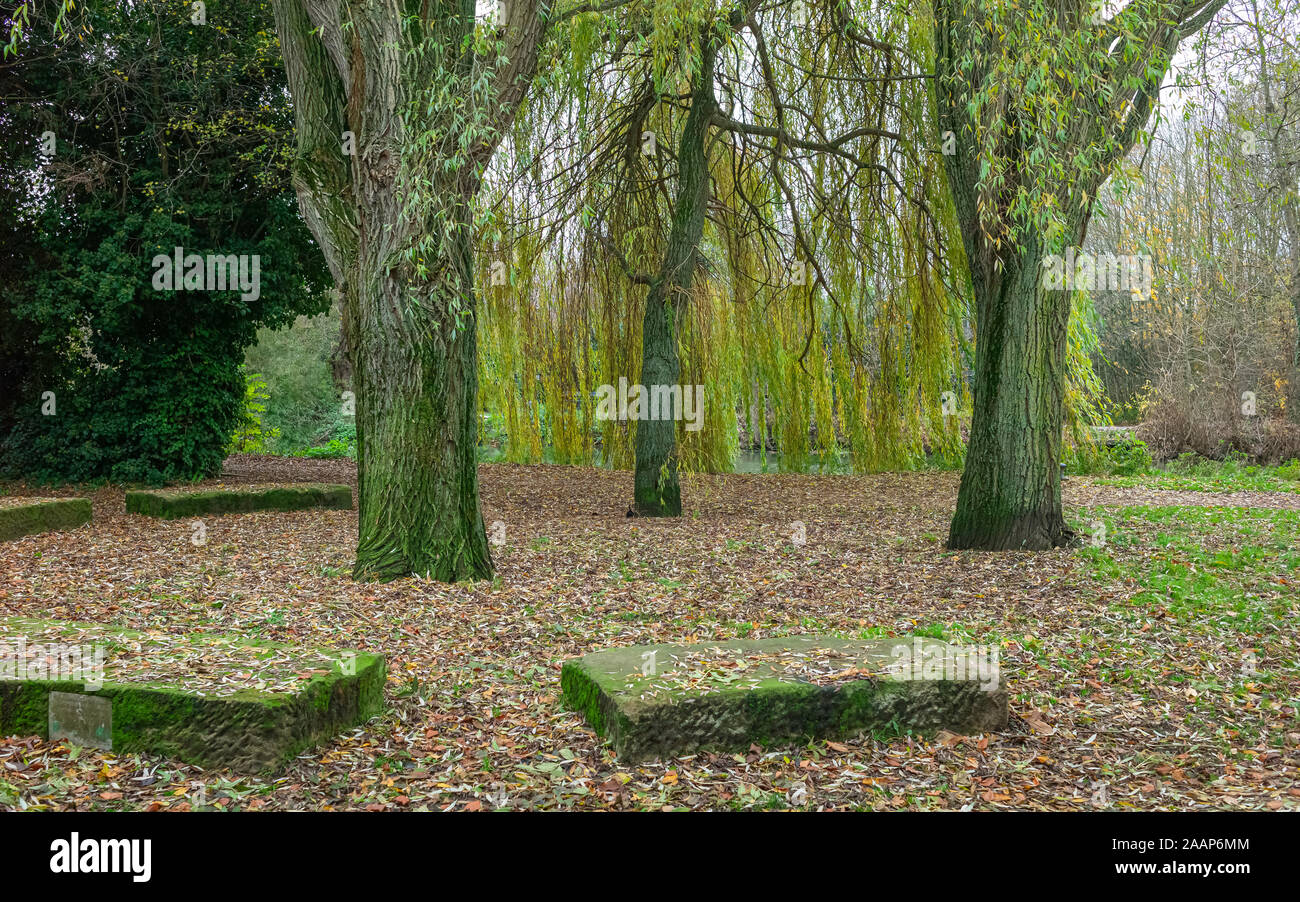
(130, 132)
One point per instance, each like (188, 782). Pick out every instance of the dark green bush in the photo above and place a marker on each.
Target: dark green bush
(1129, 457)
(146, 383)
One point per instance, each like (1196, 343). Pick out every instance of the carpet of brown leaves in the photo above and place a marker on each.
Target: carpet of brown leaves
(474, 721)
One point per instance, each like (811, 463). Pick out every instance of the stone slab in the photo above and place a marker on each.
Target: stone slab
(662, 700)
(210, 700)
(37, 515)
(172, 505)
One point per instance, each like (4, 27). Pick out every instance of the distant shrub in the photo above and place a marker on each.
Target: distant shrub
(1216, 428)
(1130, 458)
(102, 374)
(303, 407)
(250, 435)
(332, 449)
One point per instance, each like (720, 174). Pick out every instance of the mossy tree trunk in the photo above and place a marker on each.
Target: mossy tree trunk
(388, 164)
(1023, 183)
(656, 490)
(417, 423)
(1010, 494)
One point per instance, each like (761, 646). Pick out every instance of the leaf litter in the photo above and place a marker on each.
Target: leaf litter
(1116, 679)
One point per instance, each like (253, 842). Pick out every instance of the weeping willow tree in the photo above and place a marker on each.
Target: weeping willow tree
(759, 211)
(398, 108)
(780, 151)
(1043, 99)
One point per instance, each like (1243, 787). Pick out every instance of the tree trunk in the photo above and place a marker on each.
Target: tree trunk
(656, 490)
(1010, 496)
(374, 83)
(417, 428)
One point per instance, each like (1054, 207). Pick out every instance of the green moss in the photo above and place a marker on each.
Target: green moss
(250, 730)
(715, 707)
(579, 692)
(43, 515)
(175, 505)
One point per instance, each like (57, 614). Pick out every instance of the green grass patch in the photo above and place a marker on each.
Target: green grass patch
(1198, 474)
(1206, 608)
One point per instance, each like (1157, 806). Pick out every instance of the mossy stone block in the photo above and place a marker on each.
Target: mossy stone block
(173, 505)
(661, 700)
(251, 731)
(43, 515)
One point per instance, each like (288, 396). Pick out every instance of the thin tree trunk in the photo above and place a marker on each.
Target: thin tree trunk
(656, 490)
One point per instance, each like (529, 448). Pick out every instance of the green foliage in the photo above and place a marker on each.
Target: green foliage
(20, 20)
(1191, 472)
(304, 407)
(250, 435)
(158, 127)
(1127, 458)
(1019, 73)
(332, 449)
(1130, 458)
(852, 355)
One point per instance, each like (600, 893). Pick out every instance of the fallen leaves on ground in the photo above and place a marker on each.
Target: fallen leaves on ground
(1107, 693)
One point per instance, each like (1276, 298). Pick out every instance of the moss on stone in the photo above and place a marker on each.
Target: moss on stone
(43, 515)
(173, 505)
(657, 714)
(250, 731)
